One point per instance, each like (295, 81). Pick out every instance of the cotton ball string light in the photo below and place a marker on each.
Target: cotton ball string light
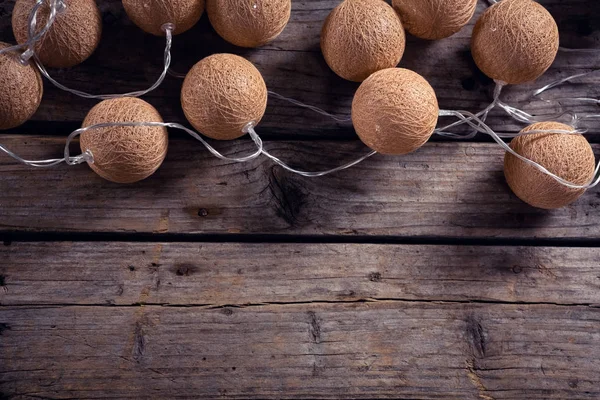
(568, 156)
(395, 111)
(71, 39)
(151, 15)
(222, 94)
(515, 41)
(249, 23)
(124, 154)
(360, 37)
(21, 90)
(434, 19)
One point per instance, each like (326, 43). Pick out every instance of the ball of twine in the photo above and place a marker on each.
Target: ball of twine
(515, 41)
(568, 156)
(360, 37)
(249, 23)
(434, 19)
(223, 93)
(21, 90)
(395, 111)
(125, 154)
(72, 38)
(151, 15)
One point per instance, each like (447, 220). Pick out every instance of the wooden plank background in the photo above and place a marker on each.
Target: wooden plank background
(444, 191)
(422, 276)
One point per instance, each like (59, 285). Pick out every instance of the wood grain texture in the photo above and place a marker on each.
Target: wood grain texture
(445, 190)
(219, 274)
(128, 59)
(387, 349)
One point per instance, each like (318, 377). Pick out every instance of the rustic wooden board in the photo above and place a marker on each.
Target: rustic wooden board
(272, 320)
(128, 59)
(445, 190)
(386, 349)
(218, 274)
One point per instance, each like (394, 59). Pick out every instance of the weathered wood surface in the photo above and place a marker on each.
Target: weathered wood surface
(128, 59)
(326, 321)
(219, 274)
(271, 320)
(445, 190)
(385, 349)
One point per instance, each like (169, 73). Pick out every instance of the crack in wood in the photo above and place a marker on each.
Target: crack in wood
(476, 336)
(314, 327)
(139, 341)
(292, 303)
(288, 198)
(476, 381)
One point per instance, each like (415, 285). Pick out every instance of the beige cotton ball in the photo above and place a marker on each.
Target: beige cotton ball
(223, 93)
(360, 37)
(73, 37)
(434, 19)
(151, 15)
(515, 41)
(568, 156)
(395, 111)
(21, 90)
(249, 23)
(124, 154)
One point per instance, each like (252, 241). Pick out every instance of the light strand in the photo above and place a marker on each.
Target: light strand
(473, 121)
(312, 108)
(464, 117)
(57, 6)
(87, 155)
(309, 174)
(168, 29)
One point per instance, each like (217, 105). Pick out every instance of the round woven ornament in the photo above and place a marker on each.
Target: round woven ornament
(360, 37)
(568, 156)
(434, 19)
(395, 111)
(249, 23)
(125, 154)
(73, 36)
(21, 90)
(223, 93)
(515, 41)
(151, 15)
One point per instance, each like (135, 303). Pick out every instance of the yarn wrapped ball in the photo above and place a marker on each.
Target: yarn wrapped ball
(72, 38)
(151, 15)
(21, 90)
(249, 23)
(515, 41)
(434, 19)
(568, 156)
(223, 93)
(125, 154)
(395, 111)
(360, 37)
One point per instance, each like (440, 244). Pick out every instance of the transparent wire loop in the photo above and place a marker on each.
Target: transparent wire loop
(57, 6)
(473, 121)
(255, 138)
(168, 28)
(312, 108)
(88, 157)
(309, 174)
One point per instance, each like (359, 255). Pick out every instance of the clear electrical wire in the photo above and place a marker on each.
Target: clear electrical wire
(56, 7)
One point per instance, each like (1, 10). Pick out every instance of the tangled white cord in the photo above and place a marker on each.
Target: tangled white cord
(56, 7)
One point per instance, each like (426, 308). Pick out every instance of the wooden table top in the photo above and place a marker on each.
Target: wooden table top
(413, 277)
